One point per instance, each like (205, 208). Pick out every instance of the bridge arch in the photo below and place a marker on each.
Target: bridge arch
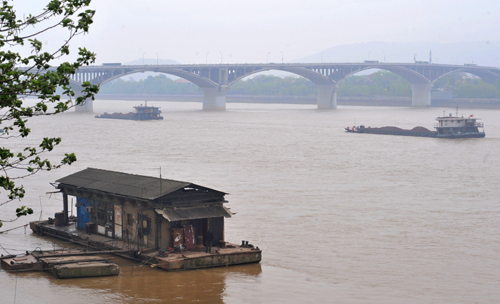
(326, 87)
(206, 85)
(486, 75)
(313, 76)
(411, 76)
(198, 80)
(420, 85)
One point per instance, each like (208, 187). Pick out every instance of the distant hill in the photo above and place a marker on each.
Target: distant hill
(485, 53)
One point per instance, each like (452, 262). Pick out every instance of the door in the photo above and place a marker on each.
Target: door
(82, 216)
(189, 236)
(217, 226)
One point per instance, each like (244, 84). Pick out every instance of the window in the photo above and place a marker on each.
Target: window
(109, 217)
(130, 219)
(101, 217)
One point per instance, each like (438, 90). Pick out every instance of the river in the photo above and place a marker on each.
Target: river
(340, 217)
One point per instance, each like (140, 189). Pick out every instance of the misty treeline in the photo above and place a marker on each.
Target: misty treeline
(381, 83)
(465, 86)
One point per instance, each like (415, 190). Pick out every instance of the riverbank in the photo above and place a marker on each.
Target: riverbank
(387, 101)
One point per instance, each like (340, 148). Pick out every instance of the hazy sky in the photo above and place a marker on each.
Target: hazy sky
(246, 31)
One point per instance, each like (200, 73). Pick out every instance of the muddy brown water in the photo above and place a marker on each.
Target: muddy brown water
(341, 217)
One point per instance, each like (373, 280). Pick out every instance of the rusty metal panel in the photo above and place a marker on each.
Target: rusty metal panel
(189, 236)
(178, 235)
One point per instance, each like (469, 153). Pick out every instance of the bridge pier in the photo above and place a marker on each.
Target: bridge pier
(327, 96)
(88, 106)
(214, 98)
(421, 94)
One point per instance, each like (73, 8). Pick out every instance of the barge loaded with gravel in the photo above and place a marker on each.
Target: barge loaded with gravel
(417, 131)
(141, 113)
(446, 127)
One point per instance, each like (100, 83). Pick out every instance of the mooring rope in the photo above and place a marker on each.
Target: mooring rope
(26, 225)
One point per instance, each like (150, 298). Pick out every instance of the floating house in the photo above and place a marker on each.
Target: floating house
(164, 218)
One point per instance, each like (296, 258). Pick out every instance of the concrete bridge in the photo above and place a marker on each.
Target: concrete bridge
(215, 80)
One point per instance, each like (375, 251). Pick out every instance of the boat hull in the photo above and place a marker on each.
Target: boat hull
(462, 135)
(129, 116)
(399, 132)
(423, 133)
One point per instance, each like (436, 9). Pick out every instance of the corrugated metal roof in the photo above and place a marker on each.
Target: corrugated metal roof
(173, 214)
(137, 186)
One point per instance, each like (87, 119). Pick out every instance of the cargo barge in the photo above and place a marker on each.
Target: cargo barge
(446, 127)
(141, 113)
(417, 131)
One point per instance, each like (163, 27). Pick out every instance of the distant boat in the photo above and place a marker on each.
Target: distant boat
(446, 127)
(141, 113)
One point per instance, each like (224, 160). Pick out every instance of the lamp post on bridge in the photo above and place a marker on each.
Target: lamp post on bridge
(282, 57)
(206, 58)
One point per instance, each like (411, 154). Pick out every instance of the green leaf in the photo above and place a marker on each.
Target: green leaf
(36, 74)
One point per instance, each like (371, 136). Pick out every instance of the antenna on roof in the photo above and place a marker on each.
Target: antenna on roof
(161, 192)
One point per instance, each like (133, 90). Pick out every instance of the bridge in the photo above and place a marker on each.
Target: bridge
(215, 80)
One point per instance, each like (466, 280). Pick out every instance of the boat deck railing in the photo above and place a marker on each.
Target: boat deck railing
(477, 124)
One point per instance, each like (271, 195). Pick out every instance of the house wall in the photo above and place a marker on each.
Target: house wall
(149, 222)
(165, 235)
(139, 224)
(129, 221)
